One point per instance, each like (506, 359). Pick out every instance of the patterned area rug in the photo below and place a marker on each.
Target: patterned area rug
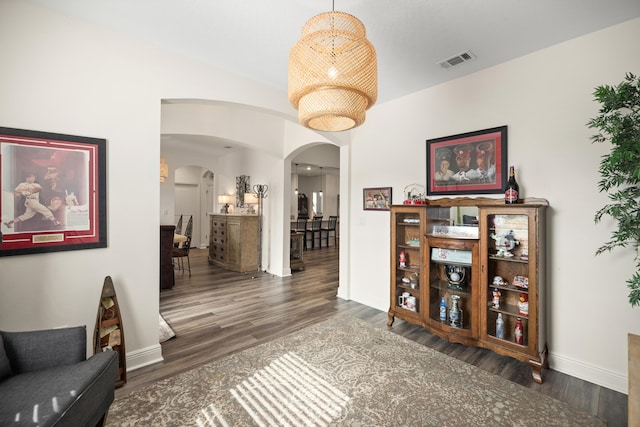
(166, 333)
(342, 372)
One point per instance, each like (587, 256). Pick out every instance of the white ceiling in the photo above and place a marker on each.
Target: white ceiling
(253, 37)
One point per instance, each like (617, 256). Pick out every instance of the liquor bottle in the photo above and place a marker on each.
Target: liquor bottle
(455, 312)
(500, 327)
(443, 310)
(518, 331)
(512, 192)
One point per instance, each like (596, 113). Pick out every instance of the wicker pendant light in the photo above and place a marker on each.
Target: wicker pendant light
(333, 73)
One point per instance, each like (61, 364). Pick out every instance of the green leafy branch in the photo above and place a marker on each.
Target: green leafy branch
(618, 123)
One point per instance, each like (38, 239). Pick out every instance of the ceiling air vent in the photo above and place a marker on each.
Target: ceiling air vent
(458, 59)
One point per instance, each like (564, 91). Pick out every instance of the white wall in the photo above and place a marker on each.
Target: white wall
(545, 99)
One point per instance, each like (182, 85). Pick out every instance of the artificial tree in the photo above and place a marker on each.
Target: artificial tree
(618, 123)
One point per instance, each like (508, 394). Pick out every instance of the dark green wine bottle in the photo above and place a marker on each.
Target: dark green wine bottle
(512, 192)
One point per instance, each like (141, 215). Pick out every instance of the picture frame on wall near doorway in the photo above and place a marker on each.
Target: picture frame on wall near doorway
(376, 199)
(53, 192)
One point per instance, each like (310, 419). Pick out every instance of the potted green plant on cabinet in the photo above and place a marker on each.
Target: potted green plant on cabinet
(618, 123)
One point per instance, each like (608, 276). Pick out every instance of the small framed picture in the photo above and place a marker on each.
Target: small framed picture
(468, 163)
(376, 199)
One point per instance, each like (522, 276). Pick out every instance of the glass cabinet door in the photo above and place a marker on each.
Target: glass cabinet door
(507, 293)
(407, 256)
(453, 284)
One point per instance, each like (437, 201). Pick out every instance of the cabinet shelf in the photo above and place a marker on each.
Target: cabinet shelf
(512, 259)
(441, 236)
(509, 310)
(407, 246)
(446, 327)
(410, 312)
(410, 269)
(408, 288)
(508, 342)
(510, 288)
(443, 286)
(461, 264)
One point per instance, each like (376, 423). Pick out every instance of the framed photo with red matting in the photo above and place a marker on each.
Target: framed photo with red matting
(468, 163)
(53, 192)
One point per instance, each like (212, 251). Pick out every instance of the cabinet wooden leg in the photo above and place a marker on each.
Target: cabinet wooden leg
(391, 317)
(545, 358)
(536, 366)
(536, 371)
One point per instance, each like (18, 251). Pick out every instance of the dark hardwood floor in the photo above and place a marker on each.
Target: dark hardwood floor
(217, 312)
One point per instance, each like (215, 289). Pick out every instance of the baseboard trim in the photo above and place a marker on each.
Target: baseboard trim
(593, 374)
(144, 357)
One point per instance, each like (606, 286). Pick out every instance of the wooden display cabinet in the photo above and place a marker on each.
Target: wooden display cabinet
(481, 239)
(407, 232)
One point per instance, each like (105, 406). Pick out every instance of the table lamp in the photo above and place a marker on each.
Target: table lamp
(250, 199)
(226, 199)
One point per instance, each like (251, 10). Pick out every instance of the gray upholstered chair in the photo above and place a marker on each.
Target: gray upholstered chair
(46, 379)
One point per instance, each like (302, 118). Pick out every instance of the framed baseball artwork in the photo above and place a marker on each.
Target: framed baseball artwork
(468, 163)
(53, 192)
(376, 199)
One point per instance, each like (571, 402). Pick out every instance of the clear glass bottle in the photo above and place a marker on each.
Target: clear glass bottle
(500, 327)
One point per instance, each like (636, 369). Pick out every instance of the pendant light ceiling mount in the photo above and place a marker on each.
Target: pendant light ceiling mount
(333, 73)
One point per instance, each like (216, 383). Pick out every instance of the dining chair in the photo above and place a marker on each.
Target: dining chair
(179, 225)
(331, 226)
(182, 252)
(178, 230)
(313, 229)
(188, 231)
(301, 227)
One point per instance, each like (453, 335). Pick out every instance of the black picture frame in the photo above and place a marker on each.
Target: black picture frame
(53, 192)
(468, 163)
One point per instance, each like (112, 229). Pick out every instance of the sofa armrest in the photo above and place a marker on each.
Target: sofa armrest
(35, 350)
